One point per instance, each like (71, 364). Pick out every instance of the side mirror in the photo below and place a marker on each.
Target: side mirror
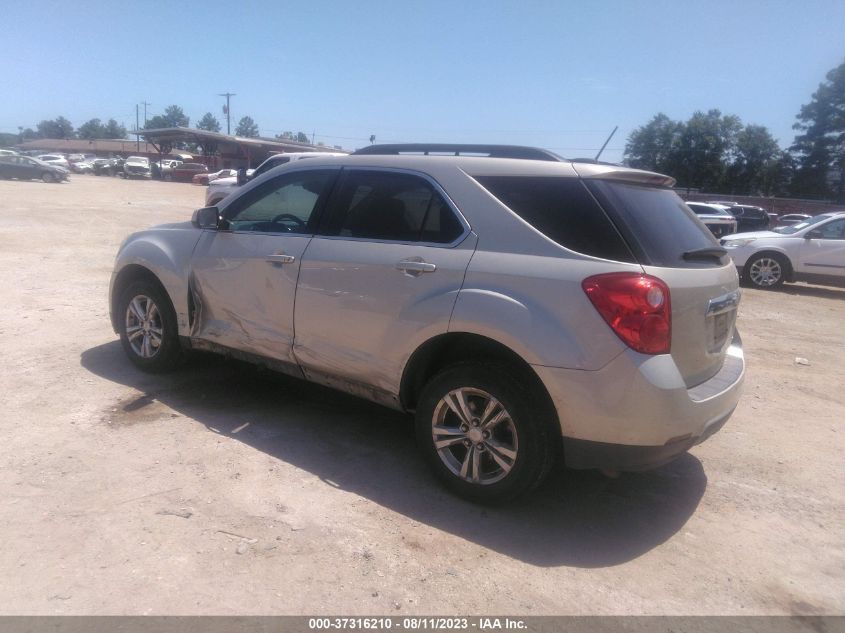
(815, 234)
(242, 176)
(206, 218)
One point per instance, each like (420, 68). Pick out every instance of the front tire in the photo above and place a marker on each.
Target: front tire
(766, 271)
(147, 323)
(48, 177)
(484, 433)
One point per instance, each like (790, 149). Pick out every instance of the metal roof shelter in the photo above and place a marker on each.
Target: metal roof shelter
(230, 151)
(101, 146)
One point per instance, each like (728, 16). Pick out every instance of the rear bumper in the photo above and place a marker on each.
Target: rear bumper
(636, 413)
(584, 454)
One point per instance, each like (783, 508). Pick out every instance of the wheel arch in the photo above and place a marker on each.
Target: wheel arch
(129, 274)
(453, 347)
(790, 269)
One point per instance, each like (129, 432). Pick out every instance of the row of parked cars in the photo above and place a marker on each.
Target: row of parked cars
(57, 167)
(769, 250)
(724, 218)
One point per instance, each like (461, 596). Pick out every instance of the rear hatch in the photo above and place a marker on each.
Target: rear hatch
(671, 243)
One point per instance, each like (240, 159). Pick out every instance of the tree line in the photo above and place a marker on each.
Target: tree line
(717, 153)
(173, 116)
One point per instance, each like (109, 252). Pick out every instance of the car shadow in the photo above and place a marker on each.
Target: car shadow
(580, 519)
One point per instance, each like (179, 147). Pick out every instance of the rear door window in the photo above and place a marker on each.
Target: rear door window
(563, 210)
(656, 223)
(391, 206)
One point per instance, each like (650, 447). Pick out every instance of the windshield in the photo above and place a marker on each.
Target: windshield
(137, 159)
(789, 230)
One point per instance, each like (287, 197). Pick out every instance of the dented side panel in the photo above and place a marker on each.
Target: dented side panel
(243, 291)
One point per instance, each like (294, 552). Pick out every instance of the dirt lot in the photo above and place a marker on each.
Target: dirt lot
(222, 489)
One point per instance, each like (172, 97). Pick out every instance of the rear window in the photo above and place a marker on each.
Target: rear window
(656, 223)
(563, 210)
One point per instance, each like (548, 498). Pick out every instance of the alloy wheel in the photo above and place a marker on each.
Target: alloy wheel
(474, 436)
(765, 271)
(144, 328)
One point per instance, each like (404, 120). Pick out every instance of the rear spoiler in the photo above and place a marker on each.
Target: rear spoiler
(622, 174)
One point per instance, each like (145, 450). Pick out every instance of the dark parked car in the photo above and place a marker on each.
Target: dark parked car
(108, 166)
(750, 218)
(186, 171)
(26, 168)
(715, 216)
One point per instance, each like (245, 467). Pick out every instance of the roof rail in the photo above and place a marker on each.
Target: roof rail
(460, 149)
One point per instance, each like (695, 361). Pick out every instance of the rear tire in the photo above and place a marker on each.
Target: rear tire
(484, 433)
(147, 324)
(766, 271)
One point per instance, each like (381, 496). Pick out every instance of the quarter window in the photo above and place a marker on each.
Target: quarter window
(284, 205)
(563, 210)
(392, 206)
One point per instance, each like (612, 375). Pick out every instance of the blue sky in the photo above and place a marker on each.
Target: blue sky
(554, 74)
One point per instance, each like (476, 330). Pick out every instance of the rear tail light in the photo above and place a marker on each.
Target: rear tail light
(636, 307)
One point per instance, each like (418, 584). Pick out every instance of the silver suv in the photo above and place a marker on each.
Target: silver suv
(522, 306)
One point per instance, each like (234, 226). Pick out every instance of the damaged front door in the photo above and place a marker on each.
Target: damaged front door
(244, 274)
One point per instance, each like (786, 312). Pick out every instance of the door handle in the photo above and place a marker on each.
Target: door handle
(415, 267)
(280, 258)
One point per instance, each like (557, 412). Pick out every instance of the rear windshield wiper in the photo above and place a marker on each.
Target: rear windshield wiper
(708, 252)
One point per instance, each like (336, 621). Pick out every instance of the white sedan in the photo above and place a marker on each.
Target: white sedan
(813, 250)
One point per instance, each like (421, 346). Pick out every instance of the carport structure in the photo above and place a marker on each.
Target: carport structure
(222, 151)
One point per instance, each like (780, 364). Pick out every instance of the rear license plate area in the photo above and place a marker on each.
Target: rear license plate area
(720, 329)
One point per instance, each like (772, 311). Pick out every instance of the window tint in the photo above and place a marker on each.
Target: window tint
(392, 206)
(656, 223)
(284, 205)
(563, 210)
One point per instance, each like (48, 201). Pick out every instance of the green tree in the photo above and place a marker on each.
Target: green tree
(209, 123)
(95, 129)
(246, 127)
(754, 167)
(652, 145)
(300, 137)
(705, 147)
(59, 127)
(92, 129)
(173, 117)
(819, 149)
(113, 129)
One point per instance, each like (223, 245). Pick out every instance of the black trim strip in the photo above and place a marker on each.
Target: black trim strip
(824, 265)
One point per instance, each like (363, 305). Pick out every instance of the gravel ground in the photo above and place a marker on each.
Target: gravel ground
(222, 489)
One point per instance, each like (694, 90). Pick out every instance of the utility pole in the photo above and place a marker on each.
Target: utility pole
(137, 138)
(145, 112)
(226, 109)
